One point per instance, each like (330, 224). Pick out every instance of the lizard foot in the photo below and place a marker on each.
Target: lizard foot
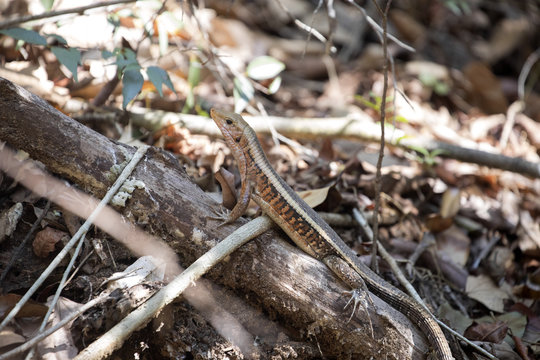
(221, 214)
(360, 298)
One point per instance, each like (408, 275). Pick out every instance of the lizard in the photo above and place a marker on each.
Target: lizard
(305, 227)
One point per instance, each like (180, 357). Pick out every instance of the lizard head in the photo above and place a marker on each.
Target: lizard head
(233, 127)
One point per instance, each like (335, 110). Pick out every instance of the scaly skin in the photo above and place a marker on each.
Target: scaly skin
(305, 227)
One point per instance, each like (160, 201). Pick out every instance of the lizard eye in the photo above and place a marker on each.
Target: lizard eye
(238, 139)
(228, 121)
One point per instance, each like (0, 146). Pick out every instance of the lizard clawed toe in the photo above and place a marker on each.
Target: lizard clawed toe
(221, 214)
(359, 298)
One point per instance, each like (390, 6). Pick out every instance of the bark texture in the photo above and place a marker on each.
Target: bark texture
(269, 273)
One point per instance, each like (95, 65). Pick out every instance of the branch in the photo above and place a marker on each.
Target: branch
(273, 273)
(78, 10)
(358, 126)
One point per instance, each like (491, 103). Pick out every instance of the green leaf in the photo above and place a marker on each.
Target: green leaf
(399, 139)
(29, 36)
(71, 58)
(420, 149)
(132, 66)
(437, 152)
(367, 103)
(47, 4)
(129, 54)
(274, 85)
(264, 67)
(402, 119)
(158, 77)
(201, 112)
(428, 79)
(59, 38)
(132, 83)
(107, 54)
(190, 102)
(441, 88)
(243, 93)
(194, 74)
(127, 60)
(114, 20)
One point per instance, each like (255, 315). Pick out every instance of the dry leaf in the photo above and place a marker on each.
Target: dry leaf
(482, 289)
(500, 260)
(507, 35)
(529, 234)
(532, 332)
(314, 197)
(436, 223)
(60, 344)
(450, 203)
(492, 332)
(228, 190)
(45, 241)
(30, 309)
(327, 150)
(455, 244)
(486, 91)
(410, 29)
(513, 320)
(457, 320)
(9, 337)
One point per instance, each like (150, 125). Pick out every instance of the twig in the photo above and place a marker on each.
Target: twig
(378, 29)
(59, 289)
(50, 14)
(310, 30)
(485, 252)
(82, 230)
(513, 110)
(525, 72)
(139, 317)
(378, 176)
(355, 125)
(428, 240)
(35, 340)
(332, 24)
(17, 251)
(412, 291)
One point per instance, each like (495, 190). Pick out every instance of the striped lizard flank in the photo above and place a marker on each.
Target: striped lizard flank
(304, 226)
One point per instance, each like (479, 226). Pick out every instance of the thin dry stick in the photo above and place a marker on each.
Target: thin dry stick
(111, 340)
(332, 24)
(17, 252)
(50, 14)
(82, 230)
(117, 335)
(378, 29)
(531, 59)
(378, 178)
(360, 219)
(35, 340)
(355, 125)
(310, 30)
(513, 110)
(59, 289)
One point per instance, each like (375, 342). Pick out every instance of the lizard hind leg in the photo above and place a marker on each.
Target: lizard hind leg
(359, 295)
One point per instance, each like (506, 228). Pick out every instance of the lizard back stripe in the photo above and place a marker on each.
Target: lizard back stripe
(314, 235)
